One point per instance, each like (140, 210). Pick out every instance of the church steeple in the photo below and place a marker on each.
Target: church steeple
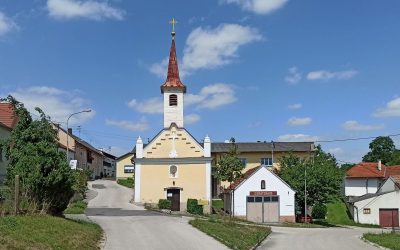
(173, 89)
(173, 79)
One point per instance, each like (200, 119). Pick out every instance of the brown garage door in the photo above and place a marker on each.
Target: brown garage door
(389, 217)
(263, 208)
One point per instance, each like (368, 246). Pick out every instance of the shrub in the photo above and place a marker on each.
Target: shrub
(193, 207)
(164, 204)
(319, 211)
(80, 184)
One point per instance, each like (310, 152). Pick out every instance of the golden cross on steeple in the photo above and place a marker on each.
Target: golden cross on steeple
(173, 22)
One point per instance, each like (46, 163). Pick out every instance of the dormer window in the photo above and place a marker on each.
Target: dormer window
(262, 184)
(173, 100)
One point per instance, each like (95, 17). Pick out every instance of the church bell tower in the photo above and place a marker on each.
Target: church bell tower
(173, 89)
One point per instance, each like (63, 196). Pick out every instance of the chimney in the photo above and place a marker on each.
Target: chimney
(139, 148)
(70, 131)
(379, 165)
(207, 146)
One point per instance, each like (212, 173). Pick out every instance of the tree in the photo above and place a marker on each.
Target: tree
(324, 177)
(33, 154)
(229, 167)
(381, 148)
(395, 158)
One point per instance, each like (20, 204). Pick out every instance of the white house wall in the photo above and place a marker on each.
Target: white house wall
(359, 187)
(388, 200)
(272, 183)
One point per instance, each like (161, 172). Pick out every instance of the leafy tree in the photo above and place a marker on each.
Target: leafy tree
(323, 177)
(395, 158)
(381, 148)
(33, 154)
(229, 166)
(347, 166)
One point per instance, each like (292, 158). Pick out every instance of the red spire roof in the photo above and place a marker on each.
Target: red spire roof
(173, 80)
(7, 115)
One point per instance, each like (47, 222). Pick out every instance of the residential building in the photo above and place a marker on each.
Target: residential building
(62, 142)
(5, 132)
(88, 157)
(109, 164)
(255, 154)
(367, 178)
(125, 166)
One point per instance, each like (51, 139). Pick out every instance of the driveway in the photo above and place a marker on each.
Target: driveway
(317, 238)
(128, 226)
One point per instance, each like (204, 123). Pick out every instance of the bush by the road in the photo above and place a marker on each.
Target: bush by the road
(319, 211)
(164, 204)
(193, 207)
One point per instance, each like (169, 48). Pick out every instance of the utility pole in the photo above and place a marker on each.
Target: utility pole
(305, 193)
(83, 111)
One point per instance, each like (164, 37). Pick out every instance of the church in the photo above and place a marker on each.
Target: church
(173, 165)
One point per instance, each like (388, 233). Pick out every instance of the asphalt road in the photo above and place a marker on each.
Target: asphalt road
(132, 227)
(283, 238)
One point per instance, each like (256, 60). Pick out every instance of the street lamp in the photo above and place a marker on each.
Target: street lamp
(83, 111)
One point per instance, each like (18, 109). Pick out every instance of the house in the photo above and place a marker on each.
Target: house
(254, 154)
(367, 178)
(62, 142)
(381, 208)
(125, 166)
(261, 196)
(88, 157)
(173, 165)
(109, 164)
(5, 132)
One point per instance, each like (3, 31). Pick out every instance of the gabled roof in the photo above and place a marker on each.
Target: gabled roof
(7, 115)
(250, 173)
(366, 170)
(392, 171)
(396, 180)
(173, 81)
(222, 147)
(367, 196)
(125, 155)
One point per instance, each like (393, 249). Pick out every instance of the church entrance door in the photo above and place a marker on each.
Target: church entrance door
(174, 195)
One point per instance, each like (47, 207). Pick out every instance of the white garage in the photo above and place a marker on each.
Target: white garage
(261, 196)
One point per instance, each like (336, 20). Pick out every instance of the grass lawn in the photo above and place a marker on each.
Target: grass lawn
(218, 204)
(388, 240)
(235, 236)
(337, 215)
(47, 232)
(77, 207)
(126, 182)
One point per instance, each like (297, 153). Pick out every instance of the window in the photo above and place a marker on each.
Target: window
(173, 171)
(173, 100)
(367, 211)
(259, 199)
(266, 161)
(129, 169)
(250, 199)
(274, 199)
(244, 161)
(262, 184)
(267, 199)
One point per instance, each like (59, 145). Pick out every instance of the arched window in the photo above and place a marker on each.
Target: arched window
(173, 100)
(262, 184)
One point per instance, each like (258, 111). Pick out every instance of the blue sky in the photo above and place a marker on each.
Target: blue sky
(255, 69)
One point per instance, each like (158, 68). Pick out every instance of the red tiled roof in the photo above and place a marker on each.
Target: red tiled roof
(396, 178)
(245, 176)
(392, 171)
(173, 80)
(366, 170)
(7, 115)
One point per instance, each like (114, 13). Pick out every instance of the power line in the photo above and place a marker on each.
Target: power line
(355, 139)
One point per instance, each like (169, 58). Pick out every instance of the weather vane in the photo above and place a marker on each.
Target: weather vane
(173, 22)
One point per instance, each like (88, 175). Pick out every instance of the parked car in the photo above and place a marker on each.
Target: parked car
(302, 219)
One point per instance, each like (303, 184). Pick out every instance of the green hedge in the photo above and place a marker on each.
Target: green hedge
(164, 204)
(193, 207)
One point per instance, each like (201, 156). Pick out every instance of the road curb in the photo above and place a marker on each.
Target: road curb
(373, 244)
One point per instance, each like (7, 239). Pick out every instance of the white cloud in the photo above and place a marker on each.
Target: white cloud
(328, 75)
(153, 105)
(392, 109)
(90, 9)
(212, 96)
(192, 118)
(142, 125)
(356, 126)
(295, 106)
(298, 137)
(261, 7)
(6, 24)
(294, 76)
(336, 151)
(208, 48)
(56, 103)
(299, 121)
